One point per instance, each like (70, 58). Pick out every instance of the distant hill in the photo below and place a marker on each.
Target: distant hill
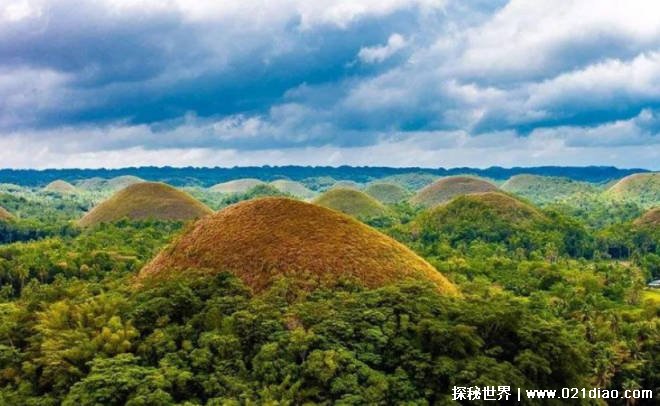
(264, 239)
(293, 188)
(545, 189)
(412, 181)
(236, 186)
(446, 189)
(60, 186)
(113, 184)
(346, 184)
(352, 202)
(146, 200)
(210, 176)
(5, 215)
(388, 193)
(640, 188)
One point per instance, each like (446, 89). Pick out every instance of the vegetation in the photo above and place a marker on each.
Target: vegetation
(642, 188)
(146, 200)
(352, 202)
(546, 189)
(276, 301)
(388, 193)
(445, 189)
(261, 240)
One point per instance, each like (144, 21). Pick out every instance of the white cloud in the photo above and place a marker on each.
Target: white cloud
(380, 53)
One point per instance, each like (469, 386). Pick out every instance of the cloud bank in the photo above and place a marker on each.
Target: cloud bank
(363, 82)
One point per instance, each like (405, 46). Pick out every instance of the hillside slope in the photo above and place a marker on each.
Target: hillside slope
(445, 189)
(352, 202)
(261, 240)
(146, 200)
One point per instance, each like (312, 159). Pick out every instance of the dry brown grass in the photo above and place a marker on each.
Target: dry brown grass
(146, 200)
(60, 186)
(5, 215)
(352, 202)
(649, 219)
(236, 186)
(264, 239)
(445, 189)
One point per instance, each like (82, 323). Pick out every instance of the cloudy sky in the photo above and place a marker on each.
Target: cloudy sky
(92, 83)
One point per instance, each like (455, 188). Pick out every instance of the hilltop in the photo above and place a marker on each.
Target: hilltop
(346, 184)
(445, 189)
(491, 217)
(352, 202)
(236, 186)
(544, 189)
(113, 184)
(293, 188)
(640, 188)
(649, 219)
(387, 193)
(60, 186)
(261, 240)
(146, 200)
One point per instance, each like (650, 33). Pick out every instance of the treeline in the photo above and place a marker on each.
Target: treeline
(191, 176)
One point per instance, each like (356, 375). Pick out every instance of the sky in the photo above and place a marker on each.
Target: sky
(432, 83)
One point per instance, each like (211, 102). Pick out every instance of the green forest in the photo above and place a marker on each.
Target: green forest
(550, 289)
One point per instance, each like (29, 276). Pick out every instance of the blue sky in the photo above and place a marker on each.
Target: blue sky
(361, 82)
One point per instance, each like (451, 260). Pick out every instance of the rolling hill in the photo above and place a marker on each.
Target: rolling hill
(489, 216)
(640, 188)
(346, 184)
(236, 186)
(445, 189)
(264, 239)
(352, 202)
(60, 186)
(146, 200)
(388, 193)
(545, 189)
(295, 189)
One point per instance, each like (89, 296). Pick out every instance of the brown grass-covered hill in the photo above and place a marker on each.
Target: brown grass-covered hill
(387, 193)
(293, 188)
(146, 200)
(5, 215)
(352, 202)
(236, 186)
(445, 189)
(640, 188)
(60, 186)
(263, 239)
(649, 219)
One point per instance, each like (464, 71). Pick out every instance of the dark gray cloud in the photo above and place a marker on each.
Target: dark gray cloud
(254, 76)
